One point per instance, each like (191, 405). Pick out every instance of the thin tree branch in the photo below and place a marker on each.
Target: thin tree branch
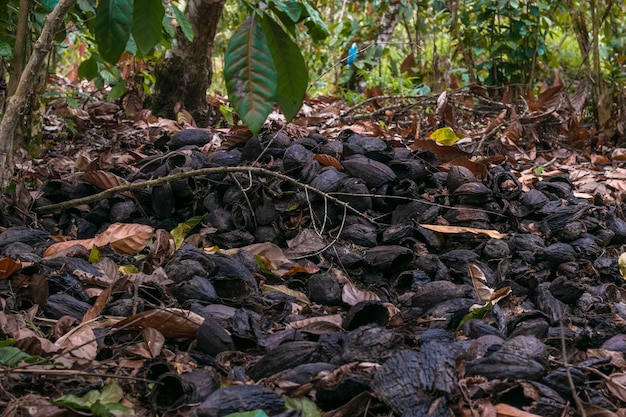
(17, 103)
(204, 171)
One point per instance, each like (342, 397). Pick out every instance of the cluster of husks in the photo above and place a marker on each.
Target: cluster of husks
(421, 357)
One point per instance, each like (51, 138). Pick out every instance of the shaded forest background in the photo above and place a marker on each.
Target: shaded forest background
(161, 55)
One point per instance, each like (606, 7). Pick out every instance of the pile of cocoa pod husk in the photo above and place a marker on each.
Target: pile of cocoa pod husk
(404, 289)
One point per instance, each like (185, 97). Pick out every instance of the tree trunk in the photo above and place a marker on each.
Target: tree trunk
(17, 103)
(19, 55)
(185, 77)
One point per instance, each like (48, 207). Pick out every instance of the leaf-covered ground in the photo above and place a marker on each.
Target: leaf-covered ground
(446, 255)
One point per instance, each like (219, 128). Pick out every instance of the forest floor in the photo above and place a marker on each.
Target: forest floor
(440, 255)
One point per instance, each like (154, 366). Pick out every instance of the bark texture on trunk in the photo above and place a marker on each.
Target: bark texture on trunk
(186, 75)
(17, 103)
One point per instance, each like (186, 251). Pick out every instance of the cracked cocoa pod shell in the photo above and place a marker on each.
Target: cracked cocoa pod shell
(397, 233)
(331, 396)
(60, 305)
(232, 280)
(327, 181)
(353, 191)
(232, 239)
(413, 211)
(459, 175)
(365, 313)
(295, 157)
(170, 391)
(323, 288)
(374, 173)
(475, 193)
(189, 261)
(496, 249)
(373, 148)
(549, 305)
(533, 199)
(238, 398)
(360, 234)
(265, 146)
(163, 202)
(196, 288)
(123, 211)
(195, 137)
(413, 169)
(213, 338)
(521, 357)
(572, 231)
(451, 312)
(223, 158)
(388, 257)
(566, 290)
(369, 343)
(404, 381)
(350, 256)
(333, 148)
(433, 293)
(617, 226)
(561, 187)
(526, 242)
(587, 247)
(505, 184)
(558, 253)
(285, 356)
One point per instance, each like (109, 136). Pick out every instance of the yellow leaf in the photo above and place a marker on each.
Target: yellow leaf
(94, 255)
(622, 264)
(128, 269)
(445, 136)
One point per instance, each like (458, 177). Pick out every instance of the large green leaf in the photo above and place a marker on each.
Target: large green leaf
(112, 27)
(316, 25)
(292, 8)
(88, 69)
(293, 77)
(250, 74)
(147, 17)
(185, 24)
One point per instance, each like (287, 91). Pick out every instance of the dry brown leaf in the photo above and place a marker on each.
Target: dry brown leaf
(29, 342)
(272, 252)
(171, 322)
(444, 153)
(125, 238)
(328, 160)
(351, 295)
(309, 267)
(300, 296)
(333, 320)
(8, 267)
(483, 291)
(462, 229)
(154, 341)
(617, 385)
(592, 410)
(100, 303)
(478, 169)
(505, 410)
(162, 247)
(81, 341)
(103, 179)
